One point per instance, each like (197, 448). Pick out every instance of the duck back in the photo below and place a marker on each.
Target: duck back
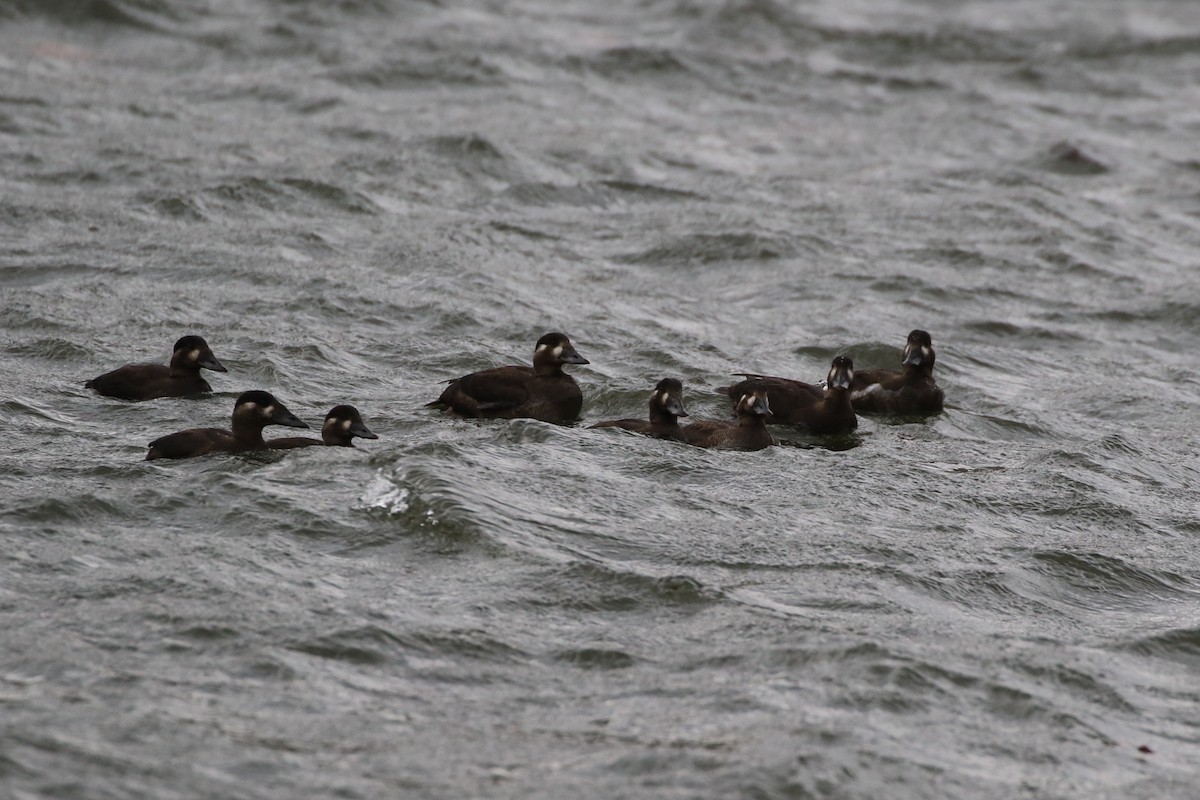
(542, 391)
(147, 381)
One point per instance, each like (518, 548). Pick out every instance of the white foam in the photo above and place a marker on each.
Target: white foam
(385, 496)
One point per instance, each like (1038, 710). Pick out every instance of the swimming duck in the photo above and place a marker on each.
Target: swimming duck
(342, 424)
(147, 381)
(747, 432)
(820, 411)
(253, 411)
(666, 407)
(542, 391)
(909, 390)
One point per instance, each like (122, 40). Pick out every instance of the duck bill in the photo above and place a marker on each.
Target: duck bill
(913, 356)
(840, 378)
(286, 418)
(570, 355)
(674, 407)
(209, 361)
(362, 431)
(760, 406)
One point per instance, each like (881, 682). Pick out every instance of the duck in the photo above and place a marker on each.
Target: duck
(747, 432)
(543, 391)
(666, 407)
(147, 381)
(342, 424)
(253, 411)
(911, 390)
(823, 411)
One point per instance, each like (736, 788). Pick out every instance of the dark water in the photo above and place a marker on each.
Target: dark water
(353, 201)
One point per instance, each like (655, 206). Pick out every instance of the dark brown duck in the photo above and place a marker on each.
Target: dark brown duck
(253, 411)
(747, 432)
(542, 391)
(147, 381)
(666, 407)
(909, 390)
(820, 411)
(342, 424)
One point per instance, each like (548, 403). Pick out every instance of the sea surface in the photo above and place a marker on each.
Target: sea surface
(356, 200)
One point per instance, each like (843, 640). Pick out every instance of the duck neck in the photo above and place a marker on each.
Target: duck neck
(248, 432)
(918, 372)
(547, 369)
(181, 367)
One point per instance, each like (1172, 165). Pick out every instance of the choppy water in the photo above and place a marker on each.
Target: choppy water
(354, 201)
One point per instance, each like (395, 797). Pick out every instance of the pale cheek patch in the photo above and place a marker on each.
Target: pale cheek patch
(664, 398)
(194, 355)
(269, 411)
(346, 424)
(557, 351)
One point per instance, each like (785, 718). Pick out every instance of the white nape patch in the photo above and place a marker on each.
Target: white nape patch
(541, 347)
(557, 351)
(194, 355)
(250, 405)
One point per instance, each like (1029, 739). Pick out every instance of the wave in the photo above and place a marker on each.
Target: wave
(1178, 644)
(151, 15)
(406, 73)
(269, 196)
(708, 248)
(630, 61)
(374, 645)
(1098, 581)
(602, 193)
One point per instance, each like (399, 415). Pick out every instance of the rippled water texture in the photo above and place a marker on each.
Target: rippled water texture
(354, 201)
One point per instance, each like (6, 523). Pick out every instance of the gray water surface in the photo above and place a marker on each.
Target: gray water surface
(356, 201)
